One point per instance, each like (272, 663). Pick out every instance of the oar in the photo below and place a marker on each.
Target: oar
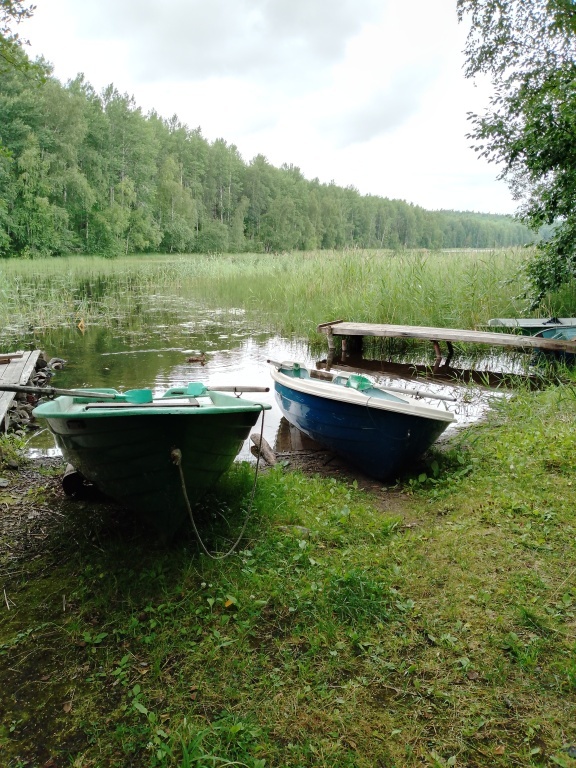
(54, 392)
(230, 388)
(130, 396)
(197, 389)
(139, 396)
(416, 393)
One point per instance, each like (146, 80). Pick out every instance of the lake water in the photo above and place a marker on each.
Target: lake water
(153, 347)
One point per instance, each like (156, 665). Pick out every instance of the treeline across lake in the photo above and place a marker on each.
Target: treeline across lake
(87, 172)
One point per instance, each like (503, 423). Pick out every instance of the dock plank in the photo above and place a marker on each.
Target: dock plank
(461, 335)
(6, 357)
(17, 371)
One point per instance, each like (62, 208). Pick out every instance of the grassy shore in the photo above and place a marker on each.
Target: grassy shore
(428, 624)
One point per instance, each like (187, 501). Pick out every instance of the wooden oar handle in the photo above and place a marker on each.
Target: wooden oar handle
(229, 388)
(54, 391)
(416, 393)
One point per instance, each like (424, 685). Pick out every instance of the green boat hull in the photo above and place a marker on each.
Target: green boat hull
(129, 457)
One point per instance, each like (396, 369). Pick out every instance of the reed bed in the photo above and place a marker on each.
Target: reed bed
(296, 291)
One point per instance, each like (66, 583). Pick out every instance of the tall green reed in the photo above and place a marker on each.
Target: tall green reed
(293, 292)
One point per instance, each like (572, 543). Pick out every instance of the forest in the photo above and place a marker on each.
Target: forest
(88, 172)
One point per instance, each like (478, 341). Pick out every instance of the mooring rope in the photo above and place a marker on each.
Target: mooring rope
(176, 456)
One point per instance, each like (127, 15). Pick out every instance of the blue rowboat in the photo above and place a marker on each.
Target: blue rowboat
(378, 429)
(125, 443)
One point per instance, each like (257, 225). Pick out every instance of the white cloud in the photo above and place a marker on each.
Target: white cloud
(191, 39)
(369, 93)
(380, 111)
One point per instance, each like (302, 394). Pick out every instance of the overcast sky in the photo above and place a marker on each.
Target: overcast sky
(368, 93)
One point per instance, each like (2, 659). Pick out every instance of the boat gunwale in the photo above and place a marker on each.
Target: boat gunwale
(339, 392)
(530, 323)
(105, 409)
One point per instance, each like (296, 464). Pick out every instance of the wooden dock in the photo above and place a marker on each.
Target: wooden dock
(15, 368)
(436, 335)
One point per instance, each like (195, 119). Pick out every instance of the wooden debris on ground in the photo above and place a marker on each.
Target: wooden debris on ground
(263, 448)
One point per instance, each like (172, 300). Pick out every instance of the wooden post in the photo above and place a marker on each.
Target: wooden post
(330, 337)
(438, 351)
(264, 449)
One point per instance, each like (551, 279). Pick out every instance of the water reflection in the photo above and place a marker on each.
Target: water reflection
(161, 368)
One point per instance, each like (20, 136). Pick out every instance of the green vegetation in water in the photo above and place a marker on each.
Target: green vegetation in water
(295, 291)
(429, 624)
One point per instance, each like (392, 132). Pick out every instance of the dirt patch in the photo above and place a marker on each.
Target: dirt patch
(37, 517)
(328, 464)
(27, 508)
(386, 497)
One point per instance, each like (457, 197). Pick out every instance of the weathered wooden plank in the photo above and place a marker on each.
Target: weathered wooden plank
(18, 371)
(6, 357)
(448, 334)
(28, 367)
(5, 403)
(6, 370)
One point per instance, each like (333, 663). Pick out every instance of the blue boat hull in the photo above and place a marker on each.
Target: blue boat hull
(381, 443)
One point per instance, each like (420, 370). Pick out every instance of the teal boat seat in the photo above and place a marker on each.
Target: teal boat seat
(359, 382)
(195, 389)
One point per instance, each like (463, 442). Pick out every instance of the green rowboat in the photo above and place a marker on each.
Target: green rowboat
(532, 326)
(125, 444)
